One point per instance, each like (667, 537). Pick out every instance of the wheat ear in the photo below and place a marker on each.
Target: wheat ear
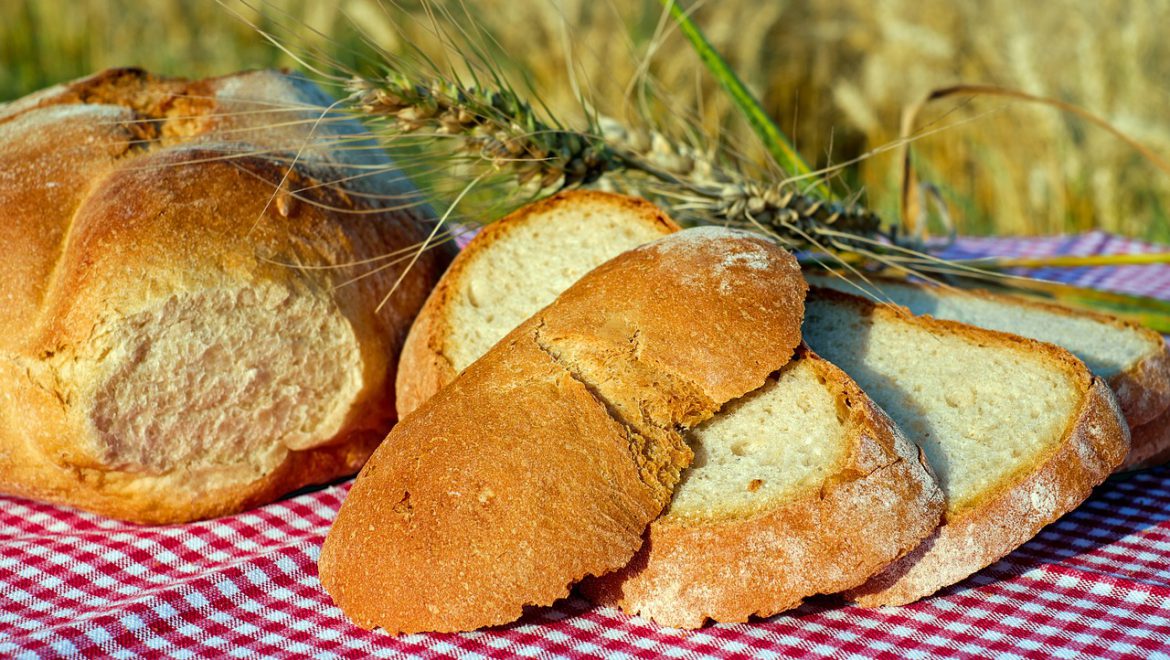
(506, 134)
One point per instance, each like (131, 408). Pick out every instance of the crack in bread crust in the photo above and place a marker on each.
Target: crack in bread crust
(545, 244)
(653, 416)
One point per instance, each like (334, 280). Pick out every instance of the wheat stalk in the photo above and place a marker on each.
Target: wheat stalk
(505, 134)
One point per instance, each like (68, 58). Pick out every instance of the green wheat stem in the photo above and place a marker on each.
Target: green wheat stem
(774, 139)
(1067, 261)
(1154, 313)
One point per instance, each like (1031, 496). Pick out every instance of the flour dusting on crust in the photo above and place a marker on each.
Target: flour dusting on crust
(735, 255)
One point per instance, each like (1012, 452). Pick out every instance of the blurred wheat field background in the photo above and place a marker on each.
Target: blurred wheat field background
(836, 75)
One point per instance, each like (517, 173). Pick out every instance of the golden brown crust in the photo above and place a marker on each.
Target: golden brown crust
(423, 368)
(467, 516)
(1151, 444)
(1143, 390)
(518, 479)
(113, 214)
(881, 503)
(425, 365)
(744, 287)
(127, 87)
(39, 192)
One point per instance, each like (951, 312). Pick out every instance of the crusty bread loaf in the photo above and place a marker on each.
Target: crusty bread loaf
(545, 460)
(801, 487)
(174, 342)
(785, 499)
(1134, 360)
(1018, 431)
(513, 268)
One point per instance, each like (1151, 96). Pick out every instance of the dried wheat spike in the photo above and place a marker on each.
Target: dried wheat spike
(506, 133)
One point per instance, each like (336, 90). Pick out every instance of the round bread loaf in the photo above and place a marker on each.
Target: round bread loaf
(190, 322)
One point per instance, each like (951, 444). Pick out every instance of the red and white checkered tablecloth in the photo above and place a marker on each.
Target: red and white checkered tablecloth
(1095, 584)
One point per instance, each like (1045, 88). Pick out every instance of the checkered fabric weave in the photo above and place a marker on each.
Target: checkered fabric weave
(1096, 584)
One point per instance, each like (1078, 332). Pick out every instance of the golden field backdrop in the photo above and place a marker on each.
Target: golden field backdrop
(835, 74)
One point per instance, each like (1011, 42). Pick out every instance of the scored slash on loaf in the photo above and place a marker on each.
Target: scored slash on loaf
(511, 270)
(545, 460)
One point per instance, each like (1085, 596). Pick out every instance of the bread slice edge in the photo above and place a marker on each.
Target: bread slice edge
(880, 504)
(425, 365)
(1142, 387)
(1094, 444)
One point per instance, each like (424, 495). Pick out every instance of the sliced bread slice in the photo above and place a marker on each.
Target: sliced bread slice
(1018, 431)
(513, 268)
(1133, 359)
(801, 487)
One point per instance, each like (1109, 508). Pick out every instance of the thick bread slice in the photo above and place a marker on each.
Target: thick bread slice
(545, 460)
(513, 268)
(1018, 431)
(1134, 360)
(801, 487)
